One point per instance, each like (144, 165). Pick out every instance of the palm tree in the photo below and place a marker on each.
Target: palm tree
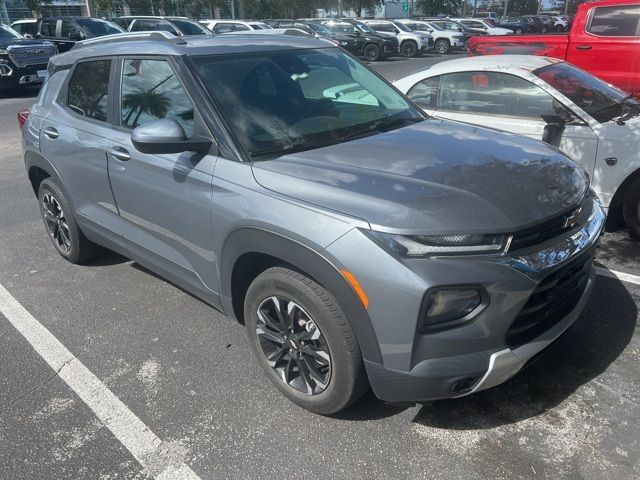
(145, 101)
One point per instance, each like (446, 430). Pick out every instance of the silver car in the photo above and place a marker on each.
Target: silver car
(360, 242)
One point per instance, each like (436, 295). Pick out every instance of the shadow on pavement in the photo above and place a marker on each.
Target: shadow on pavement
(26, 92)
(106, 258)
(624, 249)
(581, 354)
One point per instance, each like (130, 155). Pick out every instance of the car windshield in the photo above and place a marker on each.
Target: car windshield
(285, 101)
(339, 27)
(190, 28)
(364, 28)
(402, 27)
(260, 26)
(600, 100)
(318, 28)
(433, 26)
(97, 27)
(8, 32)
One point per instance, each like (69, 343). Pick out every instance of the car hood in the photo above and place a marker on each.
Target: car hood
(5, 42)
(435, 177)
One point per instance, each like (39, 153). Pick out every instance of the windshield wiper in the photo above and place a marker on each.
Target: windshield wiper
(378, 126)
(628, 110)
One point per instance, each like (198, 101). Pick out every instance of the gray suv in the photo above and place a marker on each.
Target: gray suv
(279, 179)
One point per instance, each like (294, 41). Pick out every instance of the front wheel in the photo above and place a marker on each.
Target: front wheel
(442, 46)
(371, 52)
(409, 49)
(303, 341)
(631, 209)
(518, 31)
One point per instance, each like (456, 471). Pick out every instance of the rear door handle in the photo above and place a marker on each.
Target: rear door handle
(583, 47)
(51, 132)
(120, 154)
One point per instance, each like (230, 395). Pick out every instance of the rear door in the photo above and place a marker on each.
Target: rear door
(74, 134)
(164, 200)
(609, 44)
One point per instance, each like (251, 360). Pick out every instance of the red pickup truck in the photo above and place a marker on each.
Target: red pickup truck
(604, 40)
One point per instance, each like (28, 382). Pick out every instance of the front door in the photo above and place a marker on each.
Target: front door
(165, 200)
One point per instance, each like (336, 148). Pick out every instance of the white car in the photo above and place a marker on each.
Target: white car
(560, 24)
(545, 98)
(444, 40)
(226, 26)
(411, 43)
(480, 24)
(28, 27)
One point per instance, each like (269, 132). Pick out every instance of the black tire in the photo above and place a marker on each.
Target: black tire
(518, 31)
(61, 226)
(409, 48)
(371, 52)
(631, 209)
(442, 46)
(544, 29)
(559, 28)
(346, 381)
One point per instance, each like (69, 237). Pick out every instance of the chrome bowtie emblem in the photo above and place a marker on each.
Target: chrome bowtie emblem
(571, 219)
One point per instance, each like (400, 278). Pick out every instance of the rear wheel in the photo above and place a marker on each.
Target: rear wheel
(303, 341)
(518, 31)
(442, 46)
(631, 209)
(61, 224)
(409, 48)
(559, 28)
(371, 52)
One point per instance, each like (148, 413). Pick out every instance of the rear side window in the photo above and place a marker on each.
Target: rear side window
(144, 25)
(615, 21)
(88, 91)
(48, 28)
(150, 91)
(223, 28)
(425, 93)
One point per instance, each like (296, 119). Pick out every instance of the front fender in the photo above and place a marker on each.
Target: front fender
(314, 264)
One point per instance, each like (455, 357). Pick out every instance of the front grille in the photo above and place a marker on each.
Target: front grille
(551, 301)
(541, 232)
(31, 55)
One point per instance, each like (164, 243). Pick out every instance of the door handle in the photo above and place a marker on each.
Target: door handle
(583, 47)
(120, 154)
(51, 132)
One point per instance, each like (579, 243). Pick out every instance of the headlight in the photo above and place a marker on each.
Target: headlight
(442, 245)
(445, 307)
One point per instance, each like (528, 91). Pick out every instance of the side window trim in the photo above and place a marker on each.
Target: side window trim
(592, 14)
(62, 99)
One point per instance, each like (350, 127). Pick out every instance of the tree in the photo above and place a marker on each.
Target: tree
(145, 101)
(359, 5)
(437, 7)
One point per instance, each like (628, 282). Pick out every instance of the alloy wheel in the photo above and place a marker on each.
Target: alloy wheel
(293, 345)
(442, 47)
(56, 222)
(372, 53)
(409, 49)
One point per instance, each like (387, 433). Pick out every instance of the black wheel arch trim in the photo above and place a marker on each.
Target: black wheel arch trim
(34, 159)
(247, 240)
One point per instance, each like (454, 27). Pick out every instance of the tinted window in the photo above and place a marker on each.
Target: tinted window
(96, 27)
(494, 93)
(167, 27)
(26, 28)
(144, 25)
(69, 30)
(89, 89)
(191, 28)
(223, 28)
(425, 93)
(150, 91)
(384, 28)
(615, 21)
(48, 28)
(8, 32)
(240, 27)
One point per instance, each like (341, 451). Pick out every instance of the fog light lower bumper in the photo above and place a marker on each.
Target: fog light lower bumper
(448, 307)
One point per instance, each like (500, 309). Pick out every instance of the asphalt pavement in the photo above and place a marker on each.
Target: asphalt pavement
(166, 387)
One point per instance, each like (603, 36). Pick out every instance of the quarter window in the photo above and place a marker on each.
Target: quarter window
(150, 91)
(494, 94)
(88, 91)
(615, 21)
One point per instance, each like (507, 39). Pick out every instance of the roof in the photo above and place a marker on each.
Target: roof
(162, 43)
(151, 17)
(488, 62)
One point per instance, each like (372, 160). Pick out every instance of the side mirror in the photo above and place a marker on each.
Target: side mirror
(356, 31)
(166, 136)
(75, 35)
(553, 130)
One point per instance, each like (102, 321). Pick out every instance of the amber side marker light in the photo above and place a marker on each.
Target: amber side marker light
(349, 277)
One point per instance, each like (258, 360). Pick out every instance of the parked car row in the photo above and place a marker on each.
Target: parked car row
(528, 23)
(361, 242)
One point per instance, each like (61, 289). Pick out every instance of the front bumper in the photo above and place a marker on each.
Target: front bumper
(13, 76)
(479, 354)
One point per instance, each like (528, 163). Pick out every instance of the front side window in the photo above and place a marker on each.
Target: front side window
(240, 27)
(223, 28)
(615, 21)
(69, 30)
(191, 28)
(145, 25)
(284, 101)
(48, 28)
(88, 90)
(150, 91)
(97, 28)
(494, 94)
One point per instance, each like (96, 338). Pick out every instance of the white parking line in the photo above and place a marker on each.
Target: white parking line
(624, 277)
(143, 444)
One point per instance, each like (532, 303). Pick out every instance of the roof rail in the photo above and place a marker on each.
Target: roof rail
(123, 37)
